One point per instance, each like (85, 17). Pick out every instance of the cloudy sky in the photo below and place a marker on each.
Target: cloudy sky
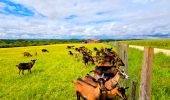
(82, 19)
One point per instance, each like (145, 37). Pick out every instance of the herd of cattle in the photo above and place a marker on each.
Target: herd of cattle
(28, 65)
(103, 82)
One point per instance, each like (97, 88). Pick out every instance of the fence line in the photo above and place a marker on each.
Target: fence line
(122, 50)
(145, 83)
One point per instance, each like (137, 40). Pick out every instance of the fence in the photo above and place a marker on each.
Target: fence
(122, 50)
(145, 83)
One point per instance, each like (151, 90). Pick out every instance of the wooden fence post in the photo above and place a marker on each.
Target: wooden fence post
(126, 46)
(133, 93)
(145, 83)
(118, 47)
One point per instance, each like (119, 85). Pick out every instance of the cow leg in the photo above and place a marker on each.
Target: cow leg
(78, 96)
(22, 72)
(85, 65)
(19, 71)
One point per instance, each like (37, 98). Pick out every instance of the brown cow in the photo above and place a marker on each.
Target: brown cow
(88, 91)
(44, 50)
(110, 85)
(25, 66)
(27, 54)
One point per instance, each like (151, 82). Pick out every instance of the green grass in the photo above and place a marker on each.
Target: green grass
(51, 77)
(163, 43)
(160, 75)
(53, 73)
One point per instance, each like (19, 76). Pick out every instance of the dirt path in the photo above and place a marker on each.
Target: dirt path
(156, 50)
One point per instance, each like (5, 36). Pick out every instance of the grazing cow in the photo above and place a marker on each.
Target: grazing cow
(90, 58)
(114, 80)
(70, 53)
(25, 66)
(88, 91)
(112, 75)
(95, 49)
(85, 60)
(44, 50)
(27, 54)
(70, 47)
(110, 83)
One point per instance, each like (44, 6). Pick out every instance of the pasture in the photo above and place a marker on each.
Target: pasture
(53, 73)
(51, 76)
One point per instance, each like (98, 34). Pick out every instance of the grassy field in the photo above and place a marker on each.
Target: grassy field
(51, 77)
(53, 73)
(163, 43)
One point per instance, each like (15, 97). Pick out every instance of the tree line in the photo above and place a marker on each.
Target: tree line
(6, 43)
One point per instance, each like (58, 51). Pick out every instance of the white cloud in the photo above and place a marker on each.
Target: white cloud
(118, 18)
(2, 5)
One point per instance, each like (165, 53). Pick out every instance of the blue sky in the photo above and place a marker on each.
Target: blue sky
(84, 19)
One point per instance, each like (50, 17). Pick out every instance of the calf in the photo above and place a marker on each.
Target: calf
(44, 50)
(27, 54)
(25, 66)
(70, 53)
